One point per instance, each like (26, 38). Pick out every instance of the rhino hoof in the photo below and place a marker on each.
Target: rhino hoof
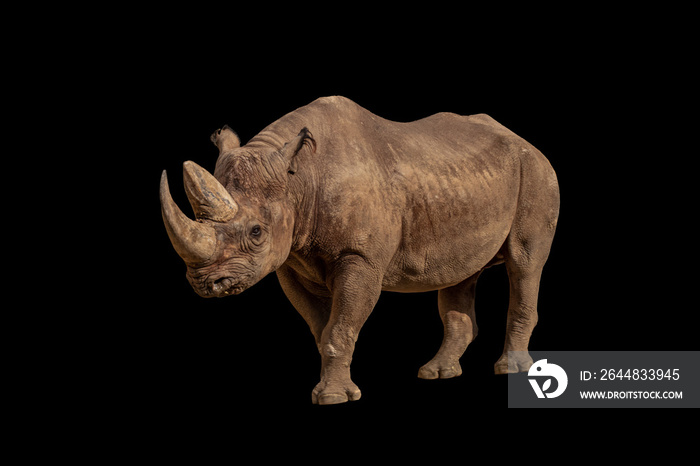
(332, 399)
(323, 395)
(436, 370)
(519, 361)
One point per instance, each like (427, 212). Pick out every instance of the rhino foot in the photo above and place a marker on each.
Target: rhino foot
(334, 393)
(519, 361)
(440, 369)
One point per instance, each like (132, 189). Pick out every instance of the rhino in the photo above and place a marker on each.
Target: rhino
(343, 204)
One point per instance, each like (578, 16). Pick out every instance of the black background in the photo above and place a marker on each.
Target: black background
(601, 112)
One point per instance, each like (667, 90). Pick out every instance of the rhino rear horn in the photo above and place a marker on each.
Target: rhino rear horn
(209, 199)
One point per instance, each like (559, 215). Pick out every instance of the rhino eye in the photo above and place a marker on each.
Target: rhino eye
(256, 231)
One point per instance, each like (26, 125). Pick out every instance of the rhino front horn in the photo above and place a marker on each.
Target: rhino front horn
(193, 241)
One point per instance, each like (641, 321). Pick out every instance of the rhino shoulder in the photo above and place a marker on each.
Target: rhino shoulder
(485, 119)
(334, 100)
(330, 107)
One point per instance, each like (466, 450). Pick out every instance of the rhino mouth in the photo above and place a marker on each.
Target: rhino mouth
(226, 286)
(219, 285)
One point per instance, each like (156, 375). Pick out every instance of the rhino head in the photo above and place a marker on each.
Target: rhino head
(244, 220)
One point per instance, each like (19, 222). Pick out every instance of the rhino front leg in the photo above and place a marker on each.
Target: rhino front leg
(311, 300)
(355, 287)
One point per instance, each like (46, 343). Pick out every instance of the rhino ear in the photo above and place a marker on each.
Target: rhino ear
(291, 148)
(225, 139)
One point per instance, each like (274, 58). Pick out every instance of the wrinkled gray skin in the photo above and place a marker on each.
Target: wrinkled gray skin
(343, 204)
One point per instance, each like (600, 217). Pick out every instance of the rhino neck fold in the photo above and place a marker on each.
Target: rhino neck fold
(303, 192)
(268, 138)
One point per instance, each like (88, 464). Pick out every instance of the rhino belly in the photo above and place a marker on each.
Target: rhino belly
(448, 240)
(443, 263)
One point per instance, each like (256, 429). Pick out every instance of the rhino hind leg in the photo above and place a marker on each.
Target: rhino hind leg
(456, 305)
(526, 251)
(522, 317)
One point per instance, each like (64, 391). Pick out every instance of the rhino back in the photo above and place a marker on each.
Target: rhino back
(431, 201)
